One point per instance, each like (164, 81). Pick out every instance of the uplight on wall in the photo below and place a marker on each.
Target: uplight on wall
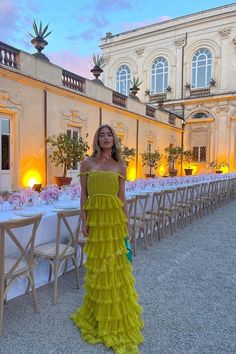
(131, 174)
(32, 177)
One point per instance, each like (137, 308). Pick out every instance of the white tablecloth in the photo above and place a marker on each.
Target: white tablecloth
(46, 233)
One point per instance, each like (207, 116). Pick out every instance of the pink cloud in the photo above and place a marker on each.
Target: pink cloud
(133, 25)
(9, 15)
(77, 64)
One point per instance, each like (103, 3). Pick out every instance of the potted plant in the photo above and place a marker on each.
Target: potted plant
(128, 154)
(173, 154)
(218, 166)
(135, 83)
(65, 152)
(188, 157)
(38, 40)
(99, 63)
(150, 159)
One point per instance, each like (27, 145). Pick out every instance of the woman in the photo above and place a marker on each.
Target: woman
(110, 313)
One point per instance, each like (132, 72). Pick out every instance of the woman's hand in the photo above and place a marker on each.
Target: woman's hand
(85, 230)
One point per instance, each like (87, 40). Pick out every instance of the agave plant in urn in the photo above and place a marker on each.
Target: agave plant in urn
(134, 87)
(99, 63)
(38, 40)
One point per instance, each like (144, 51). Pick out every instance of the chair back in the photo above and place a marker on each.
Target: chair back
(11, 231)
(140, 206)
(64, 219)
(130, 206)
(169, 199)
(181, 196)
(157, 203)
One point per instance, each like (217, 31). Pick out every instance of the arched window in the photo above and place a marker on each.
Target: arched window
(159, 75)
(201, 68)
(200, 115)
(123, 79)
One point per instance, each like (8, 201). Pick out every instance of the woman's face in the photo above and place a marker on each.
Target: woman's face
(105, 138)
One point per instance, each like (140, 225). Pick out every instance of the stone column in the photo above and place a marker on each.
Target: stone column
(179, 43)
(225, 38)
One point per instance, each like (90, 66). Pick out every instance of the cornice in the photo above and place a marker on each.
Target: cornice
(168, 26)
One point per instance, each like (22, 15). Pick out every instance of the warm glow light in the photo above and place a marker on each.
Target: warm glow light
(161, 170)
(225, 169)
(131, 174)
(31, 177)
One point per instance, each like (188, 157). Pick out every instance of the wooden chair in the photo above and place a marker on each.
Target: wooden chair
(57, 253)
(155, 215)
(138, 223)
(22, 263)
(168, 210)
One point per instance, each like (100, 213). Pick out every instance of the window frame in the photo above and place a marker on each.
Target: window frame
(197, 65)
(126, 80)
(157, 72)
(73, 129)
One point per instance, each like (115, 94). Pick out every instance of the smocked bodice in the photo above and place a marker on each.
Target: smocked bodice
(103, 183)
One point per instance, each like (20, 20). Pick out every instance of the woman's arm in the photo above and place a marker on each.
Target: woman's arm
(84, 195)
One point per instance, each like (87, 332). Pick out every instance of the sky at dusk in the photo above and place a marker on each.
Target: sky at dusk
(78, 25)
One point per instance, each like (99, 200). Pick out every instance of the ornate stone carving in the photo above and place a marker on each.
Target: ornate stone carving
(4, 99)
(9, 101)
(225, 32)
(139, 51)
(75, 117)
(180, 42)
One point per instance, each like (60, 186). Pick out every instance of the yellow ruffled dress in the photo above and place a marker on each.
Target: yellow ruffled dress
(110, 313)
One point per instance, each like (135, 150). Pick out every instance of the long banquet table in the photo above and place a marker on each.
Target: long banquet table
(47, 228)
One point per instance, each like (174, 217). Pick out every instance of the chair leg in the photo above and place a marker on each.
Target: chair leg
(82, 256)
(1, 305)
(145, 237)
(65, 267)
(76, 272)
(50, 271)
(34, 296)
(55, 287)
(134, 242)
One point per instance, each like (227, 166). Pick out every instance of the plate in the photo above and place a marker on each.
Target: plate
(61, 209)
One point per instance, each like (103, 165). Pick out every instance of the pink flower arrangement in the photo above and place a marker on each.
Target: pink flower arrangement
(17, 199)
(73, 191)
(50, 194)
(28, 193)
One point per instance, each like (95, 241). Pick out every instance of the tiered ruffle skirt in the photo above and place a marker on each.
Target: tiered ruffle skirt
(110, 313)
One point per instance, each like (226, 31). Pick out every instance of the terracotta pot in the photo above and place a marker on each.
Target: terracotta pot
(148, 175)
(188, 171)
(62, 181)
(218, 171)
(173, 173)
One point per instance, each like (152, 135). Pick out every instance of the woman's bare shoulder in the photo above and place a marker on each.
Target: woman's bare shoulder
(86, 164)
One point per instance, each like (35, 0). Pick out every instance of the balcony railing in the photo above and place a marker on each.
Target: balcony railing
(73, 81)
(150, 111)
(200, 91)
(9, 56)
(157, 97)
(119, 99)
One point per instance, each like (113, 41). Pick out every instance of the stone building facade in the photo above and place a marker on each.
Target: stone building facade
(188, 66)
(39, 99)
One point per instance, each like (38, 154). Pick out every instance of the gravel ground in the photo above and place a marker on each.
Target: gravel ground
(187, 287)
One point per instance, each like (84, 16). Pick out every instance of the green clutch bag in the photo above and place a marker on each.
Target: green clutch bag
(129, 253)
